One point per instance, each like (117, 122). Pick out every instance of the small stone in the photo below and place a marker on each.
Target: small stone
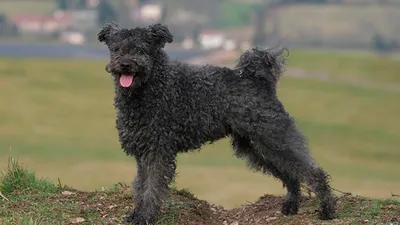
(67, 193)
(225, 222)
(78, 220)
(112, 206)
(271, 218)
(391, 206)
(235, 223)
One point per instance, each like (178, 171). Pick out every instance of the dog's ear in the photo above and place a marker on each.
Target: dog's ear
(108, 30)
(159, 35)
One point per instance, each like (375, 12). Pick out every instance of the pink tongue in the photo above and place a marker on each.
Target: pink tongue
(126, 80)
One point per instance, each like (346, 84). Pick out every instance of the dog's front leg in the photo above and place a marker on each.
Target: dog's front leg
(138, 183)
(156, 170)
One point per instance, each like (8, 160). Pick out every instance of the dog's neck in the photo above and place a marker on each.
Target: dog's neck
(159, 64)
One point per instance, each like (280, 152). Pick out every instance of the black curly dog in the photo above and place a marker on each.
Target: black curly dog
(165, 107)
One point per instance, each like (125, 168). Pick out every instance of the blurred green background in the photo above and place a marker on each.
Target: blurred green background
(58, 119)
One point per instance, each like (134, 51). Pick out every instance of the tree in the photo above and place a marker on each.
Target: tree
(6, 28)
(3, 18)
(62, 4)
(196, 34)
(106, 12)
(260, 35)
(71, 4)
(305, 1)
(163, 17)
(381, 44)
(81, 4)
(3, 24)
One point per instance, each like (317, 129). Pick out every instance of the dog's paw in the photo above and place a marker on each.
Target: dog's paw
(327, 210)
(290, 208)
(327, 215)
(135, 219)
(129, 218)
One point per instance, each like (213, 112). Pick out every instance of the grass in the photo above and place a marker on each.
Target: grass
(11, 7)
(359, 66)
(17, 178)
(58, 118)
(34, 201)
(31, 200)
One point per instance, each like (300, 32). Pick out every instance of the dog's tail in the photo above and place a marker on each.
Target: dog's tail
(264, 64)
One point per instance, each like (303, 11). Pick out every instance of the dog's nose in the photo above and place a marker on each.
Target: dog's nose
(125, 64)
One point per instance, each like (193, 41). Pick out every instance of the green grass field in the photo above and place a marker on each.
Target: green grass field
(58, 118)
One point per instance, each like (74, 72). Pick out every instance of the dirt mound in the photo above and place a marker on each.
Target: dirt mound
(25, 199)
(350, 210)
(69, 206)
(263, 211)
(266, 210)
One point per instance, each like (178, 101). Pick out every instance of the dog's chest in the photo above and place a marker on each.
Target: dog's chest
(133, 120)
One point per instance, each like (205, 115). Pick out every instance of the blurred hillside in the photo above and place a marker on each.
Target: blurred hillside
(352, 24)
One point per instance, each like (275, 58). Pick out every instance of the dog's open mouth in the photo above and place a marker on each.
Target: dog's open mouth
(126, 80)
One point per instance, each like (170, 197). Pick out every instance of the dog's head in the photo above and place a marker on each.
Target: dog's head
(133, 52)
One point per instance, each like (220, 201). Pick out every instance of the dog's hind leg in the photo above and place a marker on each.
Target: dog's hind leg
(286, 148)
(156, 171)
(257, 161)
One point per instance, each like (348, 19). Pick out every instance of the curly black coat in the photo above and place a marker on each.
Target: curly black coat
(165, 107)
